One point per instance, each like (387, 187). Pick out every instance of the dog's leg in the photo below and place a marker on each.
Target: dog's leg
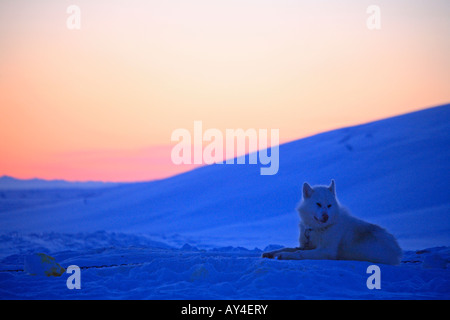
(314, 254)
(273, 254)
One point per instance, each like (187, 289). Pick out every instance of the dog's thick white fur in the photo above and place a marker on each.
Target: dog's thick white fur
(328, 231)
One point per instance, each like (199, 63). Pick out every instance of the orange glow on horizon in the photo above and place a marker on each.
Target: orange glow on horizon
(100, 103)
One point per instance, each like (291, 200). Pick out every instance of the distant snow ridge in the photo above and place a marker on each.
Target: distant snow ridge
(10, 183)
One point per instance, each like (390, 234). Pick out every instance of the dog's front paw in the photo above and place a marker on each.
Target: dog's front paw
(281, 256)
(288, 256)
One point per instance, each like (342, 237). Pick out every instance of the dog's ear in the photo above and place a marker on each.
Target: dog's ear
(332, 187)
(307, 190)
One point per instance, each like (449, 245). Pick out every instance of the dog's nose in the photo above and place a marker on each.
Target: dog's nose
(324, 217)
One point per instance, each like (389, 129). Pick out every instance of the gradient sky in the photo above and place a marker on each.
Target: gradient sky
(101, 103)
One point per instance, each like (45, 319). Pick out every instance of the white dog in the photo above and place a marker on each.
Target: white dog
(328, 231)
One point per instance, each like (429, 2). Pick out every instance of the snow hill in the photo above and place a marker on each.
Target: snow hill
(394, 172)
(200, 234)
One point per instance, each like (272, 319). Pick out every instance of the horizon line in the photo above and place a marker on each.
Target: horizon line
(194, 167)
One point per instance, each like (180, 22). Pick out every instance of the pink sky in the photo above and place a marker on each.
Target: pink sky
(100, 103)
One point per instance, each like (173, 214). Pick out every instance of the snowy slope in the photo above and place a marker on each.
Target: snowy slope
(199, 235)
(393, 172)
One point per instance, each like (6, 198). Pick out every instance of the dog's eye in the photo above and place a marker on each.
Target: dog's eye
(329, 206)
(319, 205)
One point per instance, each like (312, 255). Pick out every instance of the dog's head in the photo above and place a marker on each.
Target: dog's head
(319, 206)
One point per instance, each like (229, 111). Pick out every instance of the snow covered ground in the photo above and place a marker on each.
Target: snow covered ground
(117, 266)
(199, 235)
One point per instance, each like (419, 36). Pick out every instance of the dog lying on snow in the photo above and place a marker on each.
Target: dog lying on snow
(328, 231)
